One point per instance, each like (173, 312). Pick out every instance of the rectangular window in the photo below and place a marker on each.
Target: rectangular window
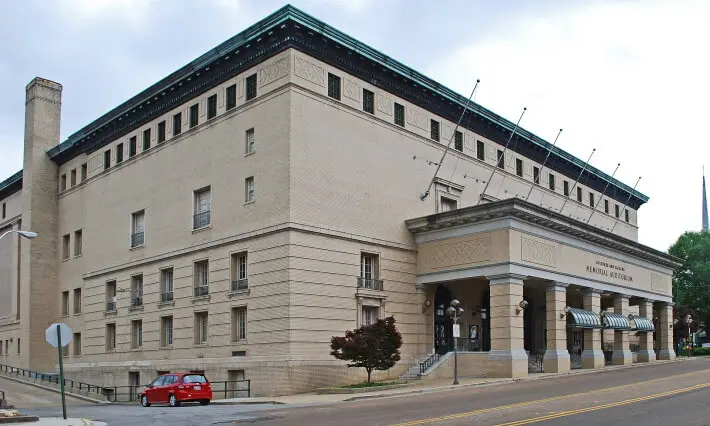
(73, 178)
(212, 107)
(501, 160)
(107, 159)
(136, 334)
(201, 278)
(606, 206)
(65, 303)
(333, 86)
(435, 130)
(480, 150)
(239, 271)
(202, 208)
(398, 114)
(111, 296)
(65, 350)
(616, 210)
(19, 345)
(565, 187)
(447, 204)
(84, 171)
(177, 124)
(591, 199)
(146, 139)
(132, 147)
(579, 194)
(136, 290)
(626, 215)
(519, 167)
(138, 229)
(231, 96)
(78, 243)
(63, 183)
(249, 189)
(368, 101)
(4, 210)
(194, 110)
(76, 341)
(161, 132)
(458, 141)
(369, 266)
(65, 246)
(77, 300)
(166, 331)
(251, 87)
(370, 314)
(536, 175)
(166, 285)
(239, 324)
(249, 141)
(201, 320)
(119, 151)
(551, 181)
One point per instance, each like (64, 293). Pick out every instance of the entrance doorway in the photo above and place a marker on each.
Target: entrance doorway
(443, 325)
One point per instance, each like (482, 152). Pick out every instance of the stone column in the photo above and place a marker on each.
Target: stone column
(557, 359)
(622, 353)
(507, 357)
(592, 355)
(646, 352)
(665, 332)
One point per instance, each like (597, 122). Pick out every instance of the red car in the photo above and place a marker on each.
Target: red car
(175, 388)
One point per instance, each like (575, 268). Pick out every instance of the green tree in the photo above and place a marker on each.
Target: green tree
(372, 347)
(691, 280)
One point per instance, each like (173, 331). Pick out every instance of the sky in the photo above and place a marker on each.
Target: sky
(629, 78)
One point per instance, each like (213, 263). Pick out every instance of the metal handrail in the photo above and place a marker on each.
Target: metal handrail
(431, 360)
(136, 300)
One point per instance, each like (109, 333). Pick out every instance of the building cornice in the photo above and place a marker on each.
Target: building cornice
(542, 217)
(289, 27)
(11, 185)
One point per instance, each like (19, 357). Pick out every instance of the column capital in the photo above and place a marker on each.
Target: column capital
(621, 296)
(506, 279)
(590, 290)
(556, 285)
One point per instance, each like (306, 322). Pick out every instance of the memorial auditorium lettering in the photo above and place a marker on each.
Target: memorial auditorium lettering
(609, 270)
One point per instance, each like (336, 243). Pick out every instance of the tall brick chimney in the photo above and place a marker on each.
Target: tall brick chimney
(39, 305)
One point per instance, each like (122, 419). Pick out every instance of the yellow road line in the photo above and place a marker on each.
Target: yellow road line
(604, 406)
(540, 401)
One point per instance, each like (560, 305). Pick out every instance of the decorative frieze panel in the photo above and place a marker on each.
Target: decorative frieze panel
(660, 283)
(462, 252)
(384, 104)
(538, 252)
(352, 90)
(273, 72)
(417, 118)
(309, 71)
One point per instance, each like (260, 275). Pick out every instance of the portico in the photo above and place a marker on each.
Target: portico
(539, 287)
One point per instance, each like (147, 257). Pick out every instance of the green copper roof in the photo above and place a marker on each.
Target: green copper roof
(289, 12)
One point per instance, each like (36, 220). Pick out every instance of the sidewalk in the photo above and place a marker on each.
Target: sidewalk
(437, 385)
(58, 421)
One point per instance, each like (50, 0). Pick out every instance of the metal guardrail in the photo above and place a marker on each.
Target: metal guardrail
(242, 284)
(201, 220)
(370, 284)
(202, 290)
(69, 384)
(137, 239)
(424, 366)
(166, 297)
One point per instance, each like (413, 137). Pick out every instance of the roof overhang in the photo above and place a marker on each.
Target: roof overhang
(11, 185)
(580, 318)
(540, 217)
(612, 321)
(642, 324)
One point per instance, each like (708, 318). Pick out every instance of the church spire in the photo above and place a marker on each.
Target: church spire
(705, 204)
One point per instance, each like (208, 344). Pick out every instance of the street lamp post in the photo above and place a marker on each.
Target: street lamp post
(454, 311)
(688, 321)
(27, 234)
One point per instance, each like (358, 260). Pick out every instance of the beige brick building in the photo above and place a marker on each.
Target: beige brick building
(234, 216)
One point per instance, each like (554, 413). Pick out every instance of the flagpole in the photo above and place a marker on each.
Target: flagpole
(625, 204)
(605, 188)
(549, 151)
(575, 183)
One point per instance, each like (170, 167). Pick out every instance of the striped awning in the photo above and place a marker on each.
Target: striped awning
(579, 318)
(615, 321)
(642, 324)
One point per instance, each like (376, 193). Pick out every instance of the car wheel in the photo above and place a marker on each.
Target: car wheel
(144, 401)
(173, 401)
(204, 402)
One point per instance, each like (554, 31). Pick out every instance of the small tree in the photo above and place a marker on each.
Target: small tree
(372, 347)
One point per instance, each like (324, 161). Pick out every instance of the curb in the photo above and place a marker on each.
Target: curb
(245, 402)
(522, 379)
(51, 389)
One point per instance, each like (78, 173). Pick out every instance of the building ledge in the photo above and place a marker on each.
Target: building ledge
(135, 308)
(166, 303)
(197, 299)
(237, 293)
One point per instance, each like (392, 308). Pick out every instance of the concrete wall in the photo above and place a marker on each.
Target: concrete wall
(470, 364)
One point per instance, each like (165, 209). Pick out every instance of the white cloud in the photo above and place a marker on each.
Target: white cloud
(98, 12)
(627, 78)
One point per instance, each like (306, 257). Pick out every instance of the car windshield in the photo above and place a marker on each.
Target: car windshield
(194, 378)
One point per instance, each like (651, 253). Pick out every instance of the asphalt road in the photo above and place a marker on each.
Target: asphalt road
(674, 393)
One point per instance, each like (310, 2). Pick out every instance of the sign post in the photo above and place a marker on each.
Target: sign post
(60, 335)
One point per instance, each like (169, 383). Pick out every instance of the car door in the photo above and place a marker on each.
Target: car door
(153, 391)
(168, 385)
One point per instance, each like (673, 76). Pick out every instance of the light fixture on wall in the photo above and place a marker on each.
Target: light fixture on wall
(564, 313)
(521, 306)
(427, 304)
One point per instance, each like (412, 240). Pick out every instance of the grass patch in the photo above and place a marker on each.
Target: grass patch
(370, 385)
